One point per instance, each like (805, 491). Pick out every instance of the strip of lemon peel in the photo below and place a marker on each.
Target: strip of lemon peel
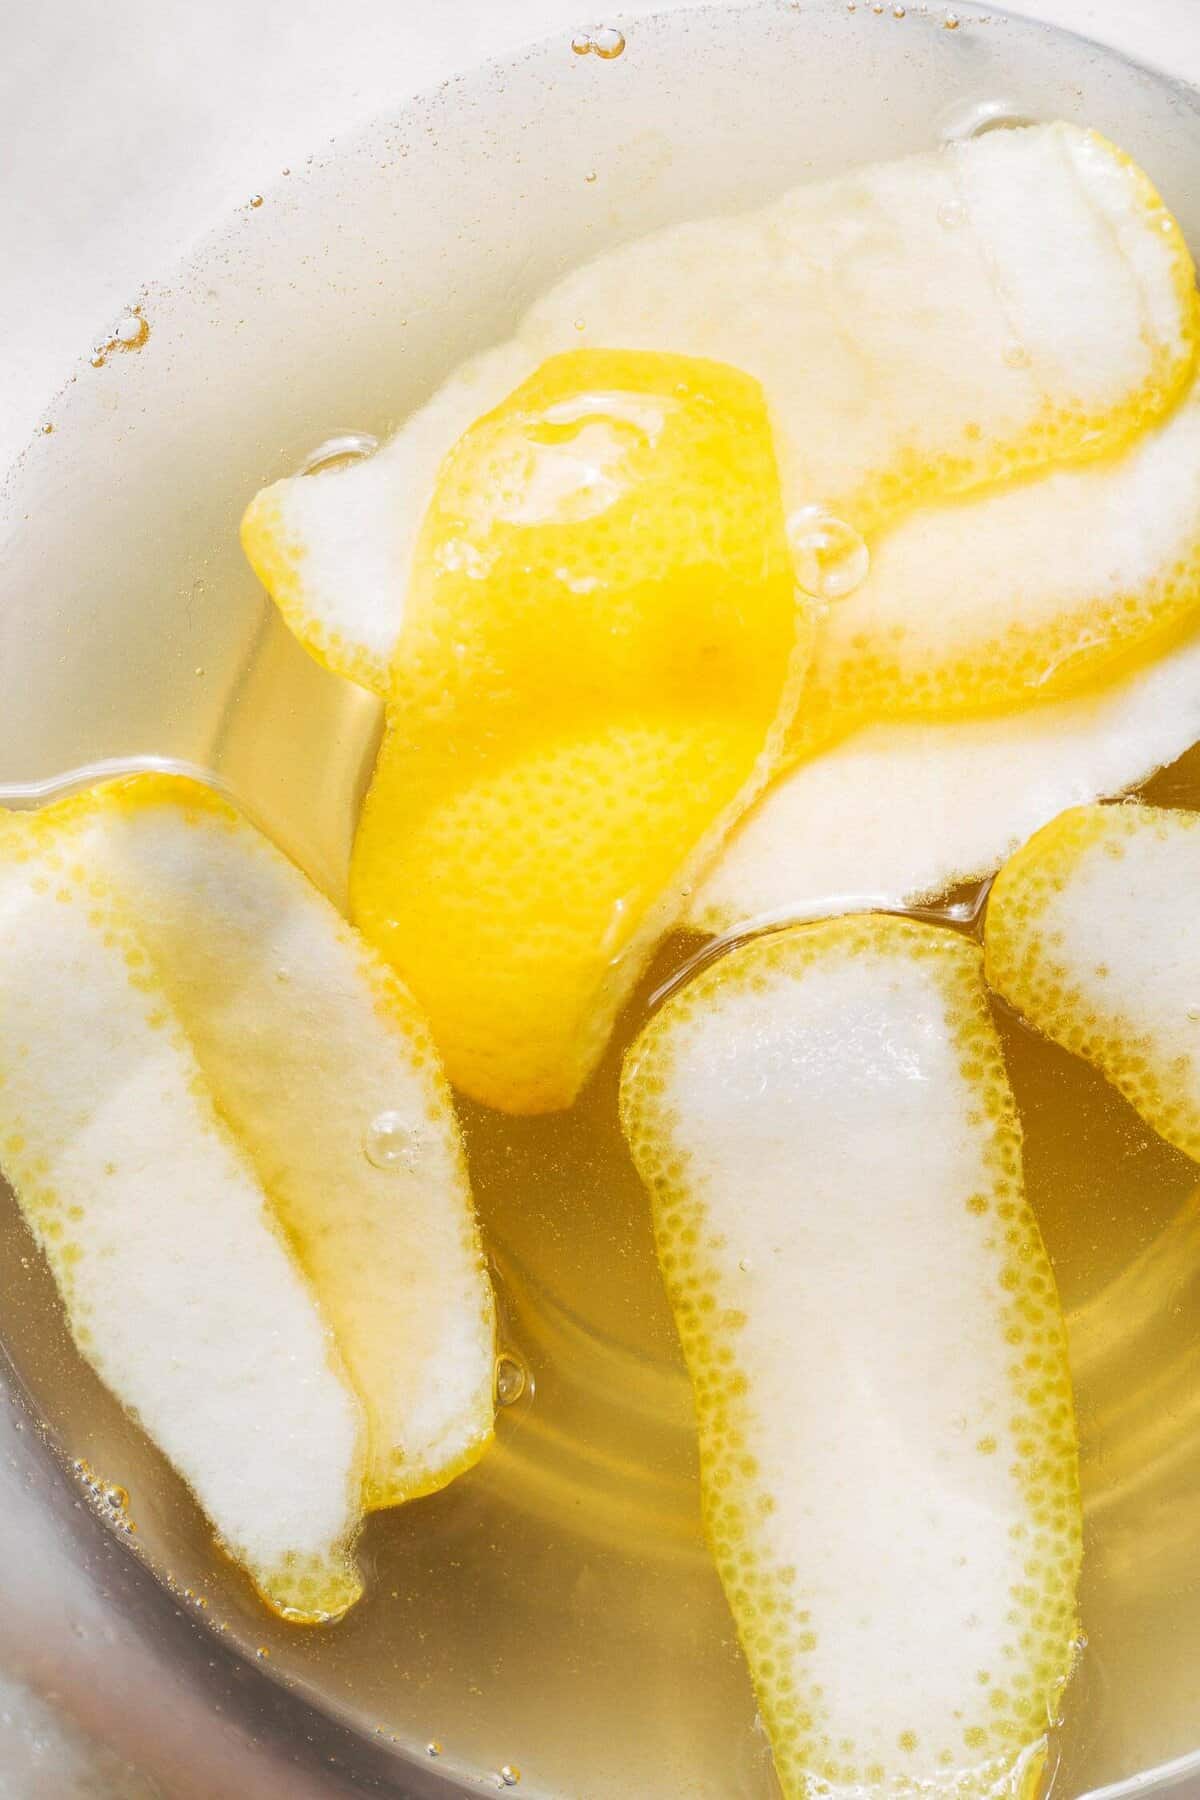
(602, 651)
(1020, 594)
(1091, 935)
(1056, 320)
(177, 1286)
(888, 1457)
(901, 812)
(318, 1059)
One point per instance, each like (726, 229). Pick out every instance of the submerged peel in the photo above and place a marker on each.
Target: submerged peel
(1091, 936)
(899, 813)
(888, 1458)
(601, 652)
(1056, 322)
(305, 1038)
(178, 1287)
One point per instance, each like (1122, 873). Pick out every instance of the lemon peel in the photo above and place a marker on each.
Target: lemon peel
(1017, 595)
(899, 813)
(306, 1038)
(1090, 935)
(1056, 321)
(888, 1459)
(601, 652)
(177, 1285)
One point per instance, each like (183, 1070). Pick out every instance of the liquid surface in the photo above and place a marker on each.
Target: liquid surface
(555, 1611)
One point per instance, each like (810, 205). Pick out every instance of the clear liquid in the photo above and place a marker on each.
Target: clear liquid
(555, 1611)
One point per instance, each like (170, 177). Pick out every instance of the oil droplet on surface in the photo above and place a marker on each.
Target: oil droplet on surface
(831, 558)
(391, 1142)
(98, 360)
(581, 44)
(510, 1379)
(46, 430)
(608, 42)
(590, 176)
(256, 199)
(262, 1653)
(509, 1775)
(952, 214)
(131, 332)
(433, 1748)
(343, 447)
(116, 1497)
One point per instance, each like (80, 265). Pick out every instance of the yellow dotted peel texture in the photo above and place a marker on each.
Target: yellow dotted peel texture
(177, 1283)
(919, 328)
(307, 1055)
(601, 651)
(1018, 595)
(1091, 936)
(888, 1457)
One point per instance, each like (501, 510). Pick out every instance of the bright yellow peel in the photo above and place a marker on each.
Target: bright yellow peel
(1091, 935)
(824, 1124)
(601, 649)
(919, 328)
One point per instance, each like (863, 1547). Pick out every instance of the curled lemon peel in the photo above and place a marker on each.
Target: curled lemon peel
(601, 651)
(1056, 323)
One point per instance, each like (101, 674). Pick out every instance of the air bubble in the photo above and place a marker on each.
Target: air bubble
(951, 22)
(391, 1142)
(511, 1379)
(1016, 356)
(967, 119)
(344, 447)
(256, 200)
(745, 1265)
(509, 1775)
(262, 1653)
(898, 12)
(831, 558)
(608, 42)
(433, 1748)
(132, 332)
(590, 176)
(952, 214)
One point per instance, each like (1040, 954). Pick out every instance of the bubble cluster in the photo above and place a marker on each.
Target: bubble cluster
(605, 42)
